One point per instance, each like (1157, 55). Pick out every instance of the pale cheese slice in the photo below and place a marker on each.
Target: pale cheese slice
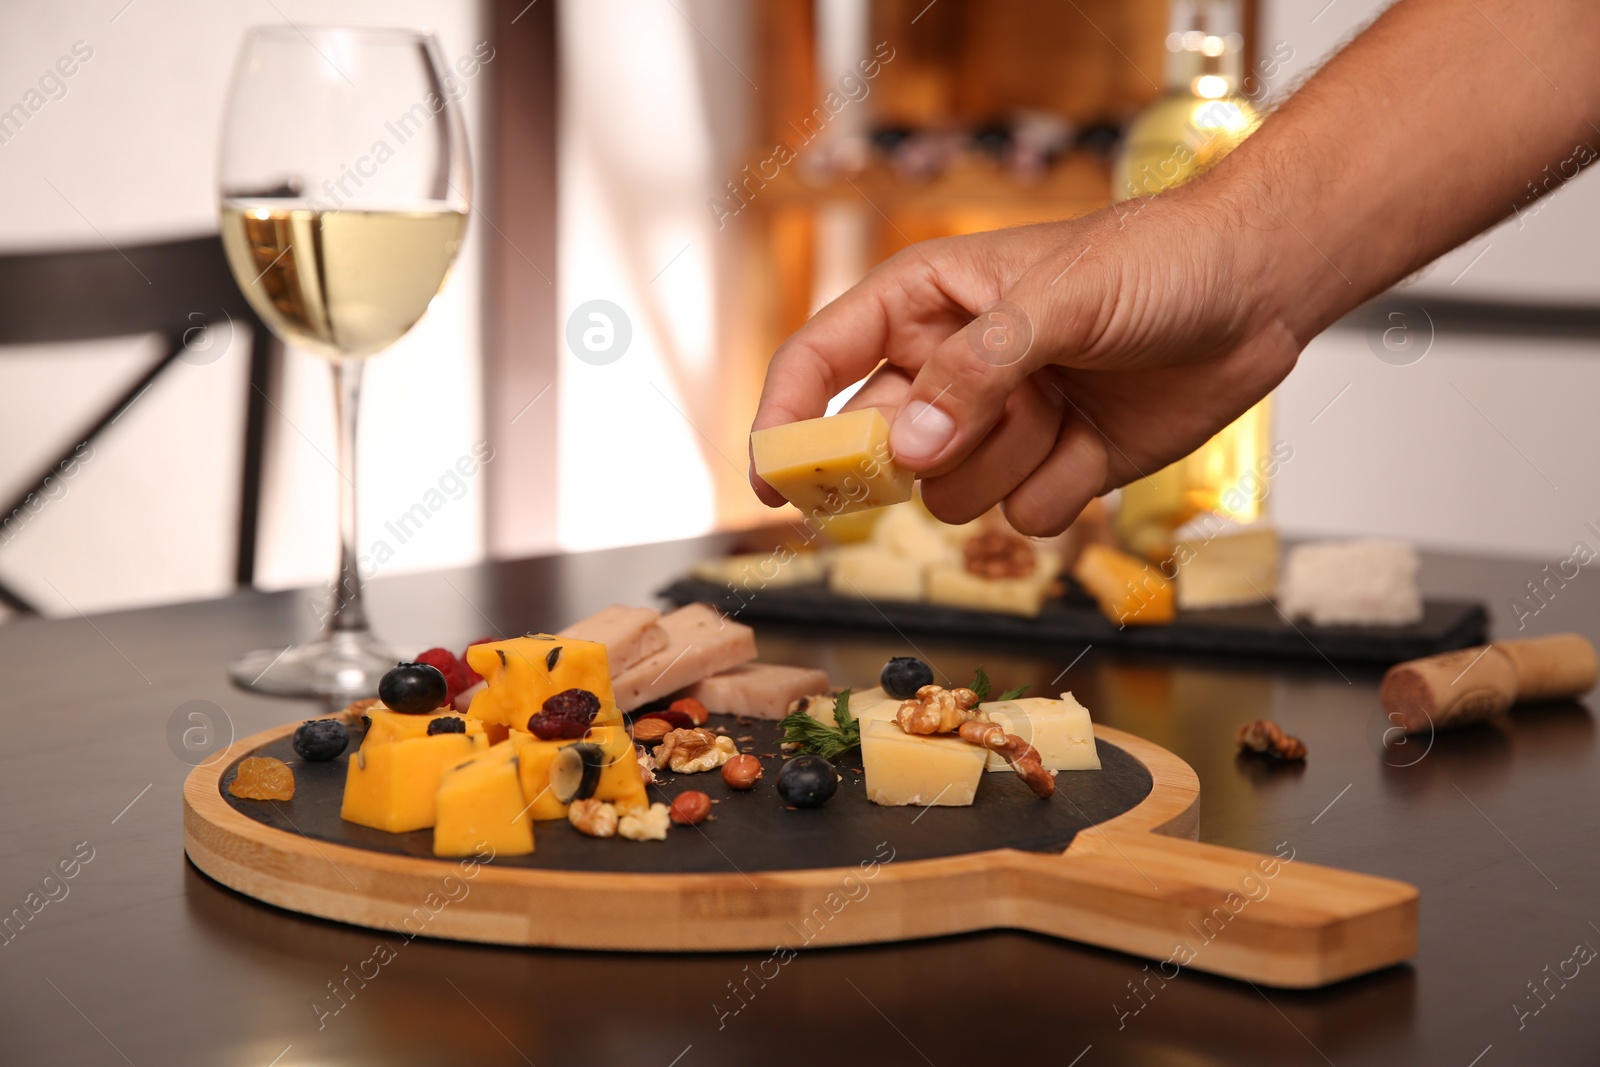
(904, 768)
(1060, 729)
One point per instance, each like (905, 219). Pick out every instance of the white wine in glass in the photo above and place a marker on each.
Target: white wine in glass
(345, 186)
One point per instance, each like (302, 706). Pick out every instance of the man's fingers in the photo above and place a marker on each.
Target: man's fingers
(1058, 489)
(961, 390)
(1018, 443)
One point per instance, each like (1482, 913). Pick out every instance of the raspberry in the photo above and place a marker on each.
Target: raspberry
(567, 715)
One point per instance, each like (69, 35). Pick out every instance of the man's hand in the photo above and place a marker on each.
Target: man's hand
(1045, 365)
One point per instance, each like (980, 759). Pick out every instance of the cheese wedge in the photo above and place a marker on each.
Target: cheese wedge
(832, 465)
(1224, 565)
(1059, 729)
(904, 769)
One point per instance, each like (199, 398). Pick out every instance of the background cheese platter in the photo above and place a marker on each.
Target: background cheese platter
(1253, 630)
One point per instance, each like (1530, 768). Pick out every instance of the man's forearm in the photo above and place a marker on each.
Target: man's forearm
(1426, 130)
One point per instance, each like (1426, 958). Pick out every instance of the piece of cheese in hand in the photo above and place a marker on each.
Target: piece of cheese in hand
(1059, 729)
(629, 634)
(868, 572)
(700, 642)
(904, 768)
(832, 465)
(757, 690)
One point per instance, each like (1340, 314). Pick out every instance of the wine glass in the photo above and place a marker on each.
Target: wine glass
(345, 186)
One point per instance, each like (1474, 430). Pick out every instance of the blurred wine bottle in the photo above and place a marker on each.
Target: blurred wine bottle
(1199, 118)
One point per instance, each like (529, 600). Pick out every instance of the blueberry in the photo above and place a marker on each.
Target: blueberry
(413, 688)
(320, 740)
(807, 781)
(447, 724)
(904, 675)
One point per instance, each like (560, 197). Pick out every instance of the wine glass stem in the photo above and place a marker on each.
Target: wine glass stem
(348, 614)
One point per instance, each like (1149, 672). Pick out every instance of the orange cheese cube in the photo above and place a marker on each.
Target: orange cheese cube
(524, 672)
(391, 786)
(1128, 590)
(480, 806)
(386, 725)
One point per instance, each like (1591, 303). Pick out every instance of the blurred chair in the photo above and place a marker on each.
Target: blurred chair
(173, 289)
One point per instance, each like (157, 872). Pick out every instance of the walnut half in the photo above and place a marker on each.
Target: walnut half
(999, 554)
(937, 710)
(692, 751)
(593, 817)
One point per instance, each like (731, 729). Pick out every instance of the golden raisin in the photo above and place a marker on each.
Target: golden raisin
(263, 778)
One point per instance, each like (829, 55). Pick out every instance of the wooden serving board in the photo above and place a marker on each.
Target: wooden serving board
(1110, 860)
(1251, 630)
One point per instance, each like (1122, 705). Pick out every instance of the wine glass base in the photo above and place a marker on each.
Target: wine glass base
(343, 667)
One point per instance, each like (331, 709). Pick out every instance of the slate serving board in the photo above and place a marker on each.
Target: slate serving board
(1257, 630)
(753, 831)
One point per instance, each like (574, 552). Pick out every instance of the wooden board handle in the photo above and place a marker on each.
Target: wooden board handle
(1273, 919)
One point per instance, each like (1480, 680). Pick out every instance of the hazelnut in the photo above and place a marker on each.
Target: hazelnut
(741, 772)
(690, 808)
(650, 731)
(691, 707)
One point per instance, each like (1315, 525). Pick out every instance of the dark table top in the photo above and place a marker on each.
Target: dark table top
(139, 958)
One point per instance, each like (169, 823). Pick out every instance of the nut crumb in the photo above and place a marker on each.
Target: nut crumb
(1267, 737)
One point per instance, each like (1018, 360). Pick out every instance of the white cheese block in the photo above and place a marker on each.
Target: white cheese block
(903, 768)
(953, 584)
(1229, 566)
(1352, 583)
(1059, 729)
(871, 572)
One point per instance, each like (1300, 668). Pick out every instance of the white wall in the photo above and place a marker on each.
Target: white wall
(1482, 445)
(128, 155)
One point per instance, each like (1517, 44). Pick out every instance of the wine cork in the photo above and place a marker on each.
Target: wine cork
(1558, 667)
(1456, 688)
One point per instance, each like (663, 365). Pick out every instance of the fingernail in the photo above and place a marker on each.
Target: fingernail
(920, 433)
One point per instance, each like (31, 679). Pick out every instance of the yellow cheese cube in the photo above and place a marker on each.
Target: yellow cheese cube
(832, 465)
(392, 786)
(480, 805)
(1059, 729)
(907, 531)
(524, 672)
(953, 584)
(873, 573)
(386, 725)
(903, 768)
(1223, 566)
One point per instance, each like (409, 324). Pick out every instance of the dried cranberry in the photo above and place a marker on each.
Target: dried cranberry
(547, 727)
(574, 703)
(680, 720)
(566, 715)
